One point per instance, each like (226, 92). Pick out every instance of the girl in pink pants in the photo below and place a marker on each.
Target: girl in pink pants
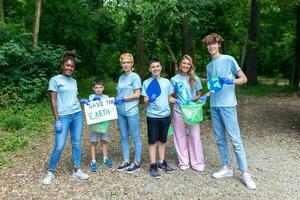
(187, 86)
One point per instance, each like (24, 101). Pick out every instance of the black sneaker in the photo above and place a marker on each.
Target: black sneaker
(134, 167)
(123, 167)
(154, 171)
(164, 166)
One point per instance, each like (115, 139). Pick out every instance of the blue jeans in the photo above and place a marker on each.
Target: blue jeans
(225, 119)
(72, 122)
(131, 123)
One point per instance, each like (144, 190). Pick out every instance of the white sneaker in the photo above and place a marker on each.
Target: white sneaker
(247, 180)
(48, 178)
(226, 171)
(80, 175)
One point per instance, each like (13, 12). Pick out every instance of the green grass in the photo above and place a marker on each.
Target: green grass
(262, 90)
(20, 124)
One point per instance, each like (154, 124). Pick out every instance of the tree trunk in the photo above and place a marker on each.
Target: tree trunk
(251, 60)
(242, 56)
(296, 71)
(139, 46)
(187, 42)
(1, 11)
(174, 66)
(36, 27)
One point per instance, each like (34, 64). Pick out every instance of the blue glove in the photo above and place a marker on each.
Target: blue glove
(58, 126)
(119, 100)
(178, 102)
(96, 98)
(152, 98)
(191, 100)
(203, 99)
(227, 81)
(176, 88)
(85, 101)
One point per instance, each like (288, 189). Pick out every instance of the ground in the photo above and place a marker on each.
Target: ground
(270, 128)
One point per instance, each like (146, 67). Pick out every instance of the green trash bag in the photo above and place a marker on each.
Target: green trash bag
(101, 127)
(192, 113)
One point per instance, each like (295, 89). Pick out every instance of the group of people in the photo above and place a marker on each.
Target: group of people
(68, 115)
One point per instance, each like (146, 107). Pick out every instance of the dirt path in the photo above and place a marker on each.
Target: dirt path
(270, 129)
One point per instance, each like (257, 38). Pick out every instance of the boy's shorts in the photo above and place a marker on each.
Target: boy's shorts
(158, 129)
(96, 137)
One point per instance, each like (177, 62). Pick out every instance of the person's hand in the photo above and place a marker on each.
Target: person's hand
(119, 100)
(152, 98)
(96, 98)
(203, 99)
(176, 88)
(227, 81)
(190, 100)
(58, 126)
(178, 102)
(85, 101)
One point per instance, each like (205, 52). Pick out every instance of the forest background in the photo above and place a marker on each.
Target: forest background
(264, 37)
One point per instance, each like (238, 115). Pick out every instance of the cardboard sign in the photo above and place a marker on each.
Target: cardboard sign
(100, 111)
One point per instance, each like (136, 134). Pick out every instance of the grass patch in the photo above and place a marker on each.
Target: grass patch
(21, 124)
(262, 90)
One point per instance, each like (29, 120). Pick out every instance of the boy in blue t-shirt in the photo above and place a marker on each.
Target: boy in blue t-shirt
(223, 108)
(98, 88)
(158, 117)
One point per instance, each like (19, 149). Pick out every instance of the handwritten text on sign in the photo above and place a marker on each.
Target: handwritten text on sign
(100, 111)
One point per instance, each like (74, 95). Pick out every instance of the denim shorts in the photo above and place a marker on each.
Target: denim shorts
(158, 129)
(96, 137)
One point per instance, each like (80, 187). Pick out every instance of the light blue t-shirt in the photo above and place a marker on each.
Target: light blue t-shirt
(183, 82)
(224, 66)
(160, 107)
(126, 86)
(66, 88)
(103, 96)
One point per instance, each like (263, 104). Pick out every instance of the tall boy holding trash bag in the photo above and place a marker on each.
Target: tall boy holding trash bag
(157, 95)
(223, 108)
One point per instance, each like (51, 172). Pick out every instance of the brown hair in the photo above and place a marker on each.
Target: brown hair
(191, 73)
(212, 38)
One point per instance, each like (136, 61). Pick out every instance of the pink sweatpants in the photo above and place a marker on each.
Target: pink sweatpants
(189, 154)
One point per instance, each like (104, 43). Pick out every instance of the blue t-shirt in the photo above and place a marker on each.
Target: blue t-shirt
(126, 86)
(227, 67)
(183, 82)
(103, 96)
(160, 107)
(66, 89)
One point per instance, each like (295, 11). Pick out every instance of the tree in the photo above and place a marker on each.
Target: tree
(251, 61)
(36, 27)
(296, 71)
(1, 11)
(139, 46)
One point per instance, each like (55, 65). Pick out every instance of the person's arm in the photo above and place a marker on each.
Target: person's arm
(172, 99)
(197, 97)
(53, 101)
(241, 78)
(134, 96)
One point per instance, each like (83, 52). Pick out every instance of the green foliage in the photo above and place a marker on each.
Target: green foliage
(24, 123)
(262, 90)
(12, 142)
(24, 71)
(13, 123)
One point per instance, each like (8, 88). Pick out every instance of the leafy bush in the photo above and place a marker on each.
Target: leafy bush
(24, 71)
(12, 142)
(13, 123)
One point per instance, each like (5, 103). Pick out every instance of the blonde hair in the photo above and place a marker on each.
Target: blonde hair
(191, 73)
(128, 56)
(212, 38)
